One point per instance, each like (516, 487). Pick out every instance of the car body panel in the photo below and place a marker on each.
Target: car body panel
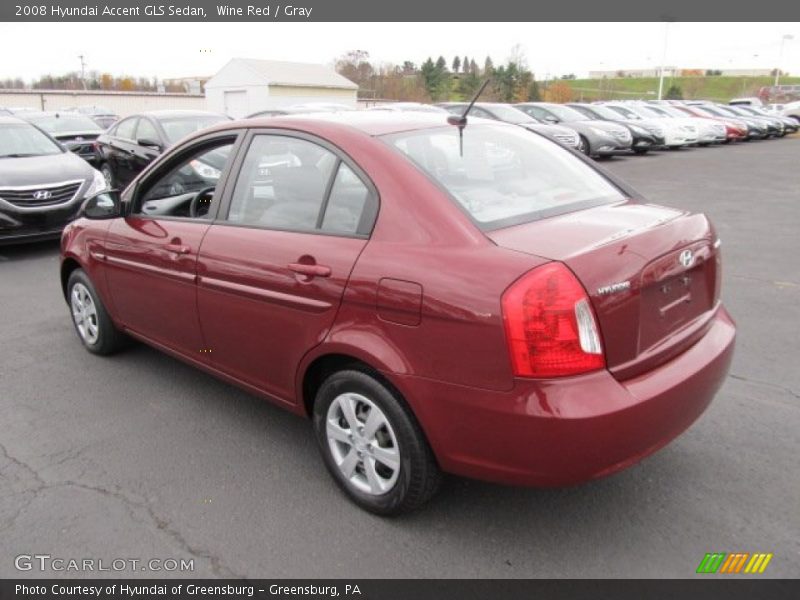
(419, 301)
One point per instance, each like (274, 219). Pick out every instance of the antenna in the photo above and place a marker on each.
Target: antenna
(460, 121)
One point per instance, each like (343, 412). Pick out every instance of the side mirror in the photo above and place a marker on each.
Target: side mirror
(149, 143)
(551, 119)
(105, 205)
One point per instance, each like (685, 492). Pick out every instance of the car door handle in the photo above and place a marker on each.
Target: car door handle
(177, 248)
(310, 270)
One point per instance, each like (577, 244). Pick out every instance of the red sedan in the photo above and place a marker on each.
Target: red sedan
(481, 301)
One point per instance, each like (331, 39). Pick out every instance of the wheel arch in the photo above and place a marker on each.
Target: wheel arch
(68, 265)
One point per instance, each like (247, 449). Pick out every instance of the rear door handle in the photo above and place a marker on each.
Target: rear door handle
(177, 248)
(310, 270)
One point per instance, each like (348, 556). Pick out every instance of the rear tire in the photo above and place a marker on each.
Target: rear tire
(94, 327)
(372, 445)
(641, 151)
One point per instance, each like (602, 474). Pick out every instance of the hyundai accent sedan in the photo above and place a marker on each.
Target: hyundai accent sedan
(436, 295)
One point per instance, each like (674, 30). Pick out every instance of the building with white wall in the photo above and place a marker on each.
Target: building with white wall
(245, 85)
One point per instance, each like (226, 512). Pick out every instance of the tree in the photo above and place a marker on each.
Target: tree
(488, 66)
(466, 64)
(456, 64)
(558, 92)
(356, 67)
(436, 78)
(533, 91)
(674, 92)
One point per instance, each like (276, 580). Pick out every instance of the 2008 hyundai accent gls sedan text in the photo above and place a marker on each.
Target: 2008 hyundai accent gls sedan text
(476, 300)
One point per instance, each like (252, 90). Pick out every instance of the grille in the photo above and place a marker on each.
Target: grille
(58, 194)
(567, 140)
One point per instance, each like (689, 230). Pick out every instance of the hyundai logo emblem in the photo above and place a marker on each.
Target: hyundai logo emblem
(686, 258)
(42, 195)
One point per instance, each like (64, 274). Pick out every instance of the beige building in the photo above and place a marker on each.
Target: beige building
(245, 85)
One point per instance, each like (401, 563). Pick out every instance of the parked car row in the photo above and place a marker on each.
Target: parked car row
(126, 147)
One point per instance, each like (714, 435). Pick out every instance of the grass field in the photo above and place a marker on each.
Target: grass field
(720, 88)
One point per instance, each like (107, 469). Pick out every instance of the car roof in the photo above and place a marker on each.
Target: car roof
(177, 113)
(9, 120)
(373, 123)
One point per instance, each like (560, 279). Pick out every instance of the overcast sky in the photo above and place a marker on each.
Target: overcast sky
(174, 50)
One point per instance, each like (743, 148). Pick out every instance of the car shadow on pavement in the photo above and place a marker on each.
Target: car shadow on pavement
(28, 251)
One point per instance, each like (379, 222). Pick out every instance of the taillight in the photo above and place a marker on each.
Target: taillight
(550, 325)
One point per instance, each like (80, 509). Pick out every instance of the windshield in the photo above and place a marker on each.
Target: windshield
(625, 112)
(601, 111)
(179, 127)
(509, 114)
(64, 123)
(565, 113)
(505, 176)
(21, 139)
(653, 111)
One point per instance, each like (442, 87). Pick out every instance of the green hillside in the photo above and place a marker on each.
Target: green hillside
(720, 88)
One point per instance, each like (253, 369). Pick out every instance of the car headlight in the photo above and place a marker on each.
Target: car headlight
(98, 184)
(601, 132)
(205, 171)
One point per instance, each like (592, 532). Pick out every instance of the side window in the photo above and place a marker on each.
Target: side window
(185, 188)
(147, 131)
(126, 128)
(348, 204)
(282, 184)
(479, 112)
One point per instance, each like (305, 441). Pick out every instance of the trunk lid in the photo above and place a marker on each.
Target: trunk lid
(652, 274)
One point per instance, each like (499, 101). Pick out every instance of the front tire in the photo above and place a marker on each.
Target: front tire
(90, 318)
(583, 146)
(372, 445)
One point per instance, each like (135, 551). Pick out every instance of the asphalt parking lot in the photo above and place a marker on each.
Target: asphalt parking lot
(140, 456)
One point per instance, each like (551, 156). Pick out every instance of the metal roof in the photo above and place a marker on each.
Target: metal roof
(277, 72)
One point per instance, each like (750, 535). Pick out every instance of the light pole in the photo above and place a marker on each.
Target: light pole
(663, 60)
(83, 71)
(780, 57)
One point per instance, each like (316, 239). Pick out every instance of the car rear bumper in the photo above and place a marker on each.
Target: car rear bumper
(565, 431)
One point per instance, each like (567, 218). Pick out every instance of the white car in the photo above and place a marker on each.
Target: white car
(674, 132)
(792, 109)
(708, 130)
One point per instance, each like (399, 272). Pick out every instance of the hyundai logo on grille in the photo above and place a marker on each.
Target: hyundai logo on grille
(42, 195)
(686, 258)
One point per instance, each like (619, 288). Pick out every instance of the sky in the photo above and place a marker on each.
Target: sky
(167, 50)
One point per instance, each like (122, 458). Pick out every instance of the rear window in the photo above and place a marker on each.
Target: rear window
(506, 175)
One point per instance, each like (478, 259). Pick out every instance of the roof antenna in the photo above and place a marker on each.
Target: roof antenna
(460, 121)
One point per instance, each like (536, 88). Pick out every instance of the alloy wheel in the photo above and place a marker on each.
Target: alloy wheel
(363, 444)
(84, 313)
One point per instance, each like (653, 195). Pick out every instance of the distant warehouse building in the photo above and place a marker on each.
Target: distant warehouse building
(246, 85)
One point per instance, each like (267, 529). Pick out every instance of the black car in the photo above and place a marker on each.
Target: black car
(643, 138)
(132, 143)
(77, 133)
(104, 117)
(42, 186)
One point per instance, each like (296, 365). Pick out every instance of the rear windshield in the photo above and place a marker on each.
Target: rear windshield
(179, 127)
(64, 123)
(20, 140)
(506, 175)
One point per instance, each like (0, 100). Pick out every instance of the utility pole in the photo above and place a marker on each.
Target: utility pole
(663, 60)
(83, 71)
(784, 39)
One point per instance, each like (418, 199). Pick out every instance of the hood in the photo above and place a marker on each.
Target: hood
(547, 129)
(35, 170)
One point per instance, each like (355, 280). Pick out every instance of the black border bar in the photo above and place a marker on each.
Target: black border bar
(402, 11)
(710, 588)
